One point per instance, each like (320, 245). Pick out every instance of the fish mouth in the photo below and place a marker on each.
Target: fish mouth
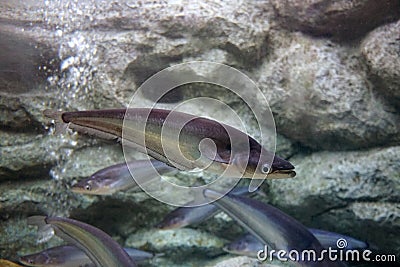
(280, 174)
(80, 190)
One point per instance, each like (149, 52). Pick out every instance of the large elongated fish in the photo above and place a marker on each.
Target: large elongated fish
(98, 246)
(201, 143)
(271, 226)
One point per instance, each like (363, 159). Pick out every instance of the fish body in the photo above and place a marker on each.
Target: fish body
(118, 177)
(99, 246)
(249, 245)
(71, 256)
(330, 239)
(184, 216)
(270, 225)
(225, 149)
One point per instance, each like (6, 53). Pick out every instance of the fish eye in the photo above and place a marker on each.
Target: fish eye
(265, 168)
(88, 187)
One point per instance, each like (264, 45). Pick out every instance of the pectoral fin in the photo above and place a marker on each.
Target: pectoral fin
(209, 150)
(241, 160)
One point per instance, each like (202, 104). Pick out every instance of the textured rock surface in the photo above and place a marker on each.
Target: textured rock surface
(381, 50)
(25, 61)
(26, 198)
(95, 54)
(182, 241)
(341, 19)
(31, 159)
(321, 97)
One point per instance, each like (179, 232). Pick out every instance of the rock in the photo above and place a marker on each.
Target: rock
(358, 188)
(340, 19)
(15, 117)
(95, 54)
(101, 69)
(30, 159)
(137, 40)
(376, 222)
(180, 242)
(321, 97)
(23, 113)
(381, 50)
(25, 62)
(43, 197)
(26, 198)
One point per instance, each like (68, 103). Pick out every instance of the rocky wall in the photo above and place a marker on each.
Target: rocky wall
(329, 70)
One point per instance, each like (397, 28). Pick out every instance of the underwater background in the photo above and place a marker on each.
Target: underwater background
(330, 71)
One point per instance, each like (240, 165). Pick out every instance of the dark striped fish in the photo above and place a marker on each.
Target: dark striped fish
(191, 142)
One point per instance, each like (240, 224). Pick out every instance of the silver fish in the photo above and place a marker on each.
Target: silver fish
(99, 246)
(184, 216)
(270, 225)
(117, 177)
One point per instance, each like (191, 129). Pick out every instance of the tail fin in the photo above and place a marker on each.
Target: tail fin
(45, 231)
(60, 126)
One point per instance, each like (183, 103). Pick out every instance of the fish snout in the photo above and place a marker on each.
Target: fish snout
(281, 164)
(281, 168)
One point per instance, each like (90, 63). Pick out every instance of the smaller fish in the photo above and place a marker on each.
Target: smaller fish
(117, 177)
(71, 256)
(329, 239)
(98, 246)
(270, 225)
(184, 216)
(249, 245)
